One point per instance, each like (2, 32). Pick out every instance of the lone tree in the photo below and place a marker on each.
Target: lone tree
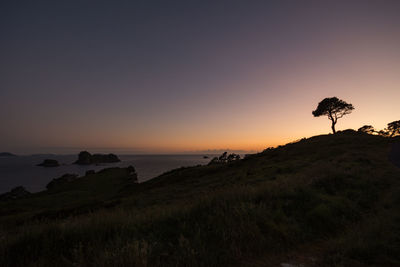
(393, 128)
(334, 108)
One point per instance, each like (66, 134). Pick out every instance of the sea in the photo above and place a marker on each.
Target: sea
(22, 170)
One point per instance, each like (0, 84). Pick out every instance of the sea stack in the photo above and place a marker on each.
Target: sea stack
(49, 163)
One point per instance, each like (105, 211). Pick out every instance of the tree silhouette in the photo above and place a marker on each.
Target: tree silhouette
(383, 133)
(367, 129)
(393, 128)
(334, 108)
(225, 158)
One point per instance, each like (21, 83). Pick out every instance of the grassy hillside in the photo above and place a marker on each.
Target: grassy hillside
(329, 200)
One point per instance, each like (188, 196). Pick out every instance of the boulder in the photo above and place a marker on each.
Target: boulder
(132, 173)
(66, 178)
(15, 193)
(49, 163)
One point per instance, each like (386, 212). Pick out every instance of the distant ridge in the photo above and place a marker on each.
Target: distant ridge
(7, 154)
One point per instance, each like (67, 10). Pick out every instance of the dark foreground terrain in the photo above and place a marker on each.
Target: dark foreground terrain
(330, 200)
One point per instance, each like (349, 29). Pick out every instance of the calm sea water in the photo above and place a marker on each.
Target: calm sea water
(22, 170)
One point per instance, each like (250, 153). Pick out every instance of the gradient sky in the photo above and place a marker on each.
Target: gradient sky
(183, 76)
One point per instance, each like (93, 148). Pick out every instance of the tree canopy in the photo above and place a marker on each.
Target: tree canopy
(369, 129)
(394, 128)
(334, 108)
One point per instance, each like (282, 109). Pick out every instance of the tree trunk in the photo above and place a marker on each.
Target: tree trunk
(333, 126)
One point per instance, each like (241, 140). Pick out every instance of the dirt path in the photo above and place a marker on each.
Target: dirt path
(395, 154)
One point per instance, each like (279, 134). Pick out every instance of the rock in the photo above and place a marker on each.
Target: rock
(85, 158)
(49, 163)
(205, 157)
(132, 173)
(66, 178)
(89, 172)
(15, 193)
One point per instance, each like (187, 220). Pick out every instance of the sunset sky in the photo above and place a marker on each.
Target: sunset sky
(186, 76)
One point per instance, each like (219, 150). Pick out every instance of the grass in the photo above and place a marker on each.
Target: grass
(340, 191)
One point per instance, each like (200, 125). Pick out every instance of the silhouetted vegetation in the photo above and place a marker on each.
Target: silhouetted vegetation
(383, 133)
(57, 182)
(393, 128)
(225, 158)
(367, 129)
(334, 108)
(336, 194)
(15, 193)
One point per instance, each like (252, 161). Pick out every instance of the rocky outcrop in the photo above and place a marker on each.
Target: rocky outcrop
(132, 173)
(66, 178)
(15, 193)
(49, 163)
(85, 158)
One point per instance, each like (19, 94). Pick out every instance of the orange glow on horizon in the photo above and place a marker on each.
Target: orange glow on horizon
(221, 88)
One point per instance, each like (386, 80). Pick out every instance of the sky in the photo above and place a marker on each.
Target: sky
(189, 76)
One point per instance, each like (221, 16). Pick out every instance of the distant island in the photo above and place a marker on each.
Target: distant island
(7, 154)
(85, 158)
(49, 163)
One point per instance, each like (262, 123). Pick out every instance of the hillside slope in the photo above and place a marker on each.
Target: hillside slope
(329, 200)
